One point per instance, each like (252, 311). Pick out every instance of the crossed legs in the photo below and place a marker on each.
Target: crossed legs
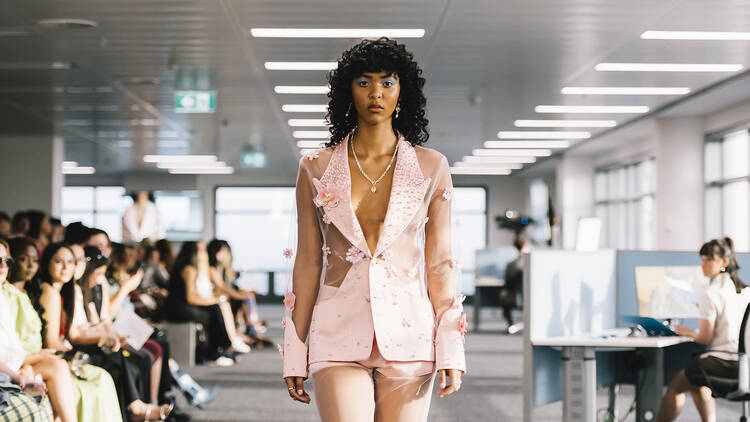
(353, 394)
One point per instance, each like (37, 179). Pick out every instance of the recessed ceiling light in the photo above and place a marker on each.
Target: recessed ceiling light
(310, 144)
(300, 65)
(179, 158)
(475, 159)
(206, 165)
(508, 166)
(221, 170)
(37, 65)
(305, 108)
(565, 123)
(307, 122)
(511, 134)
(591, 109)
(287, 89)
(667, 67)
(526, 144)
(313, 134)
(335, 33)
(480, 171)
(624, 90)
(512, 152)
(78, 170)
(66, 23)
(696, 35)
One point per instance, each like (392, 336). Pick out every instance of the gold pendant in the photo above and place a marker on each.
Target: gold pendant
(373, 189)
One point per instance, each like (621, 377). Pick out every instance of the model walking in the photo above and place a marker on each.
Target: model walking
(373, 313)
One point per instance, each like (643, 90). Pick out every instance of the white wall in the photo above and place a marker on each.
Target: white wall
(575, 194)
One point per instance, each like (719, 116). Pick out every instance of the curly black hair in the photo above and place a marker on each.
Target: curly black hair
(381, 55)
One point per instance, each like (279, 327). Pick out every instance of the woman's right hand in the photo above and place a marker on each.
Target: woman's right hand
(296, 388)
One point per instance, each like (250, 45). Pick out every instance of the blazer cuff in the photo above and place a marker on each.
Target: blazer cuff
(294, 351)
(449, 340)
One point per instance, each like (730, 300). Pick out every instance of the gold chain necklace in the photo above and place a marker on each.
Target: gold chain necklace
(373, 189)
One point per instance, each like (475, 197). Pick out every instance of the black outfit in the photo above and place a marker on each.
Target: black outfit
(210, 317)
(511, 292)
(720, 375)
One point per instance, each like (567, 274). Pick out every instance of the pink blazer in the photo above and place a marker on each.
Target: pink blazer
(403, 294)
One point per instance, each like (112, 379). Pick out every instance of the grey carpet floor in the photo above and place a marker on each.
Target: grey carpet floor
(253, 390)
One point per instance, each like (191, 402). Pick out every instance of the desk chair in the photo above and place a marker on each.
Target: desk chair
(736, 389)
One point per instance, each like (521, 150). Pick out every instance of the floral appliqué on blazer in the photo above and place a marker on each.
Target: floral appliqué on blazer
(403, 294)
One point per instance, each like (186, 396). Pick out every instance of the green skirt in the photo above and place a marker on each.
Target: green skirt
(96, 396)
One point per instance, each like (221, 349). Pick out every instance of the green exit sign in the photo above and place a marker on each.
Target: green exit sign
(195, 101)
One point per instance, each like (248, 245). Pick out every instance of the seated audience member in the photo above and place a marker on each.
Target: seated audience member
(100, 239)
(243, 301)
(40, 228)
(166, 254)
(191, 298)
(76, 234)
(722, 307)
(20, 224)
(26, 258)
(511, 293)
(15, 359)
(65, 327)
(4, 225)
(57, 231)
(141, 220)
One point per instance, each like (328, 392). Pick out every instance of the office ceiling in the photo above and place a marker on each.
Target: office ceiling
(117, 103)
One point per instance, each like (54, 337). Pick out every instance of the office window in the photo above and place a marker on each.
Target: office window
(181, 212)
(96, 206)
(257, 222)
(727, 194)
(624, 197)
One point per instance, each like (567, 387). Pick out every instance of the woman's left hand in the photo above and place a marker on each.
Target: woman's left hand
(684, 331)
(455, 381)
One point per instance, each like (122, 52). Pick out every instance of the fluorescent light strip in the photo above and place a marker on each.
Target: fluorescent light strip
(300, 65)
(179, 158)
(512, 152)
(696, 35)
(508, 166)
(624, 90)
(591, 109)
(68, 164)
(335, 33)
(313, 134)
(526, 144)
(288, 89)
(221, 170)
(306, 151)
(307, 122)
(565, 123)
(506, 160)
(78, 170)
(667, 67)
(206, 165)
(510, 134)
(479, 171)
(305, 108)
(309, 144)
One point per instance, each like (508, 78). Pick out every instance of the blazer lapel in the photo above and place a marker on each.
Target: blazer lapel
(342, 215)
(407, 193)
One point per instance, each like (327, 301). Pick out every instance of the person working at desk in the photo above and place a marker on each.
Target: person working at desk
(721, 308)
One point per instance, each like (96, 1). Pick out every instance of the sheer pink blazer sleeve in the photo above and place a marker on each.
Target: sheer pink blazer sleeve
(403, 295)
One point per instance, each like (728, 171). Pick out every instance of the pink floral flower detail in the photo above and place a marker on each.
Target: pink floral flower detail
(387, 255)
(283, 322)
(354, 255)
(462, 325)
(288, 253)
(458, 301)
(448, 194)
(406, 323)
(312, 155)
(457, 262)
(328, 195)
(413, 271)
(281, 350)
(326, 250)
(326, 218)
(289, 299)
(423, 223)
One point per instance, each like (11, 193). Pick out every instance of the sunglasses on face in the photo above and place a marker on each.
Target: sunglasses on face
(6, 260)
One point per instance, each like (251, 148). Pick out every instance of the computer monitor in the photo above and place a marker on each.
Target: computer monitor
(669, 291)
(490, 265)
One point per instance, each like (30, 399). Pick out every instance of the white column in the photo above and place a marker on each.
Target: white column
(679, 189)
(30, 173)
(575, 194)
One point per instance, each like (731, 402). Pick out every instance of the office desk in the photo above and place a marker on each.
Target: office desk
(579, 369)
(480, 284)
